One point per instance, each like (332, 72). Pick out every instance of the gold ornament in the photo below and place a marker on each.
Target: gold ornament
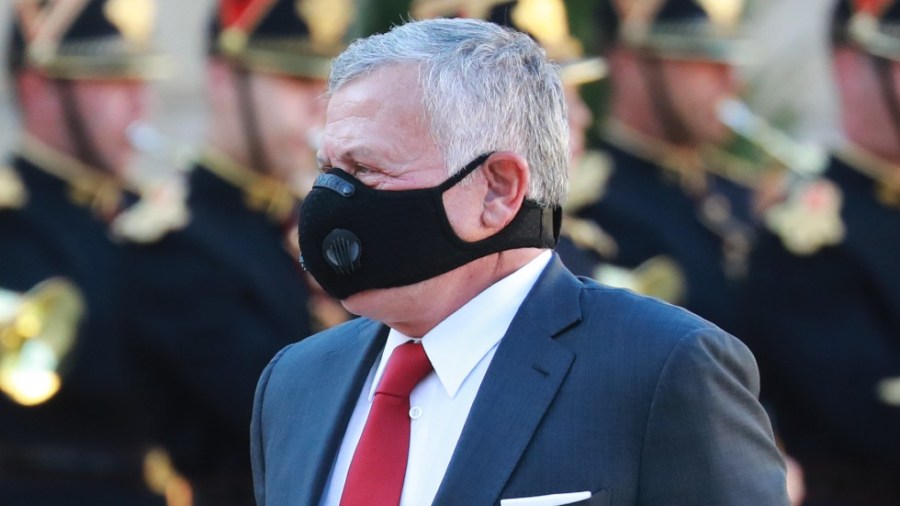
(889, 391)
(725, 14)
(162, 209)
(134, 18)
(328, 20)
(13, 194)
(547, 21)
(659, 277)
(810, 219)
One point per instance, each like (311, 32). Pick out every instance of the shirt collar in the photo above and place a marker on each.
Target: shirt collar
(457, 344)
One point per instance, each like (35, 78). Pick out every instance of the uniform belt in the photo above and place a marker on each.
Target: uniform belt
(73, 464)
(836, 482)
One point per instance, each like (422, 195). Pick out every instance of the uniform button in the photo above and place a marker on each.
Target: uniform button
(415, 412)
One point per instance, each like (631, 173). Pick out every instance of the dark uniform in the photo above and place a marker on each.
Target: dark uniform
(679, 216)
(824, 290)
(217, 300)
(696, 222)
(222, 294)
(88, 443)
(825, 302)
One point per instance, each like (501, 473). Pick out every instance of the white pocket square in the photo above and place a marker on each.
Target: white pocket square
(547, 500)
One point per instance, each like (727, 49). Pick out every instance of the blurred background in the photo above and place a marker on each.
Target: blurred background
(789, 85)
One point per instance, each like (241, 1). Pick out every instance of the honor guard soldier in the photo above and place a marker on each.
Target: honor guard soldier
(673, 215)
(220, 296)
(78, 71)
(824, 283)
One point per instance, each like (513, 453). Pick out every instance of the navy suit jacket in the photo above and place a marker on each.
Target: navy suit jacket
(591, 388)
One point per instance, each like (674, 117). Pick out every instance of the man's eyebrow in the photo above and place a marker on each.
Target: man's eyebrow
(358, 153)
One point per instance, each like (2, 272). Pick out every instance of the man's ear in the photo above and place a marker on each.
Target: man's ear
(507, 177)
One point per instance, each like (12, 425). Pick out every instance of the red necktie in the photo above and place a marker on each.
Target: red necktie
(379, 463)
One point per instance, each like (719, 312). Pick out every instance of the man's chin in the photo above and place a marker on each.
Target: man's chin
(382, 304)
(364, 303)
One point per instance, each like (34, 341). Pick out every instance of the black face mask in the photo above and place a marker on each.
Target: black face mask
(355, 238)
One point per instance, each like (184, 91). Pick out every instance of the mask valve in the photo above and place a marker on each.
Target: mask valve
(342, 251)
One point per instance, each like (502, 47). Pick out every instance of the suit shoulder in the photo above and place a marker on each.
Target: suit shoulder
(346, 334)
(648, 317)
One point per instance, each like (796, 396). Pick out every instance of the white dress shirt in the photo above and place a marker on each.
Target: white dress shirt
(460, 349)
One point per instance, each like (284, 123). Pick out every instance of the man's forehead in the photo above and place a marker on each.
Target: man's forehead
(382, 100)
(393, 76)
(378, 117)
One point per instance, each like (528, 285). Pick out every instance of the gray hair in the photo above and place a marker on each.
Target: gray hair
(485, 88)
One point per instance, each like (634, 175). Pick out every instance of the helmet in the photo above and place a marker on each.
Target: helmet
(873, 25)
(681, 29)
(86, 39)
(291, 37)
(546, 21)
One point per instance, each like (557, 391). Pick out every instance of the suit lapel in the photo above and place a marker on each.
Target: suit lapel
(521, 382)
(316, 431)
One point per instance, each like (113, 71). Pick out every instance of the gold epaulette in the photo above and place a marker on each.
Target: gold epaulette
(684, 165)
(162, 209)
(163, 479)
(659, 277)
(588, 235)
(262, 193)
(889, 391)
(88, 187)
(13, 193)
(589, 180)
(810, 217)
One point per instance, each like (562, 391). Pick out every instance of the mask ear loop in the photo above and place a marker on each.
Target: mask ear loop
(468, 169)
(551, 217)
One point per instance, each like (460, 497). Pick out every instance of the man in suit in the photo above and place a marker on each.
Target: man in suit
(78, 72)
(219, 297)
(823, 285)
(481, 370)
